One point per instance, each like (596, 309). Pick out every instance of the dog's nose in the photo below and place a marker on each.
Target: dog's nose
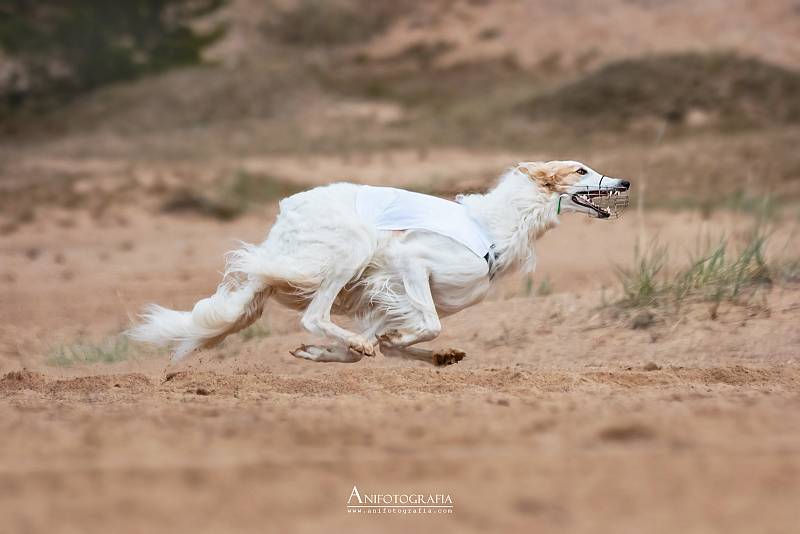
(625, 183)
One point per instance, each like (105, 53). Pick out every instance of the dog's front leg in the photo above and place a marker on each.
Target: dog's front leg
(421, 323)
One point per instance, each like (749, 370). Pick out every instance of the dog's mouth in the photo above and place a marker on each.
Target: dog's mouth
(605, 203)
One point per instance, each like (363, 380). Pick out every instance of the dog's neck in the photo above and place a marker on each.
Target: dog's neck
(515, 213)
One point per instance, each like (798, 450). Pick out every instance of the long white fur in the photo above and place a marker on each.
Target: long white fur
(321, 257)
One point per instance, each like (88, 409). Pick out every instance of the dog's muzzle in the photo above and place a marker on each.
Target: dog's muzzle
(606, 203)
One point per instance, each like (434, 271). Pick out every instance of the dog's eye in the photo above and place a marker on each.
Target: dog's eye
(581, 171)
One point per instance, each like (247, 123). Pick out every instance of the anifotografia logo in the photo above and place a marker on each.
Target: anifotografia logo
(399, 503)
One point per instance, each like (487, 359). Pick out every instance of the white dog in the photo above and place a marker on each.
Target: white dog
(393, 260)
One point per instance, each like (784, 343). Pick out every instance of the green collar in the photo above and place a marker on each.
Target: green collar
(558, 210)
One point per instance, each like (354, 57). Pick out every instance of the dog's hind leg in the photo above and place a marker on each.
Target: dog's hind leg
(317, 317)
(432, 356)
(333, 353)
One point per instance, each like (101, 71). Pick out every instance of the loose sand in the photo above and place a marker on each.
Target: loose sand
(561, 418)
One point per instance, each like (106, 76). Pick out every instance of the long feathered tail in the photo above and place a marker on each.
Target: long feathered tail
(237, 303)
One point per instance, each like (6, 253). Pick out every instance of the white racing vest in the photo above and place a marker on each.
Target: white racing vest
(388, 208)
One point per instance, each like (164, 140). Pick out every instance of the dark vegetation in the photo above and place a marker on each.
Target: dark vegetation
(409, 79)
(56, 50)
(732, 90)
(498, 103)
(312, 23)
(232, 198)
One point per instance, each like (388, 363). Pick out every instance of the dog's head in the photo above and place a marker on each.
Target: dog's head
(577, 187)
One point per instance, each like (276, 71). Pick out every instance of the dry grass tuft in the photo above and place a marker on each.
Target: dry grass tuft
(718, 272)
(113, 350)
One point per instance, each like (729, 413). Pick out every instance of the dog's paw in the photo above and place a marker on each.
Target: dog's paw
(359, 345)
(303, 352)
(448, 357)
(390, 338)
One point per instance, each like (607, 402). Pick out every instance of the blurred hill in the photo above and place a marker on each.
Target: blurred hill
(53, 51)
(681, 88)
(703, 93)
(583, 34)
(264, 60)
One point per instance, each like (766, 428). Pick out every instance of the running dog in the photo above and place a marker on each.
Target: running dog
(393, 260)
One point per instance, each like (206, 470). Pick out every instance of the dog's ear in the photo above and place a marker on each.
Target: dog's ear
(548, 175)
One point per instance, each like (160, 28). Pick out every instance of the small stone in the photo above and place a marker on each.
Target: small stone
(642, 320)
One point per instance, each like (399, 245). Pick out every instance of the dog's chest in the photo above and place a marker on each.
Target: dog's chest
(452, 294)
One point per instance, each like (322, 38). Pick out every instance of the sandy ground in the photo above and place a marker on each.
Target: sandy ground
(561, 418)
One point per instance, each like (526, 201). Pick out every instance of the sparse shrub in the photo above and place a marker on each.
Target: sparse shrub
(641, 284)
(642, 319)
(719, 275)
(790, 272)
(528, 282)
(187, 201)
(424, 53)
(544, 288)
(255, 188)
(332, 22)
(255, 331)
(233, 198)
(110, 351)
(487, 34)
